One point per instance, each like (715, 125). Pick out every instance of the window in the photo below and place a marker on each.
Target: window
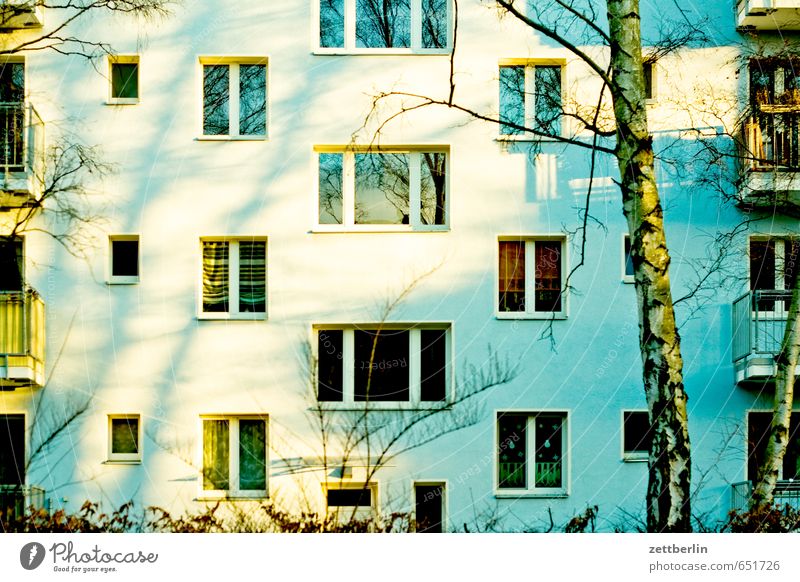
(12, 264)
(429, 507)
(235, 457)
(531, 452)
(124, 437)
(12, 450)
(391, 189)
(636, 435)
(390, 365)
(384, 25)
(235, 98)
(649, 67)
(773, 270)
(12, 116)
(124, 76)
(758, 429)
(627, 260)
(531, 97)
(234, 279)
(531, 277)
(124, 256)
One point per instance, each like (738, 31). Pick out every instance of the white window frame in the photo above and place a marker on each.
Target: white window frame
(530, 277)
(414, 401)
(125, 60)
(530, 97)
(625, 277)
(233, 97)
(630, 456)
(344, 513)
(124, 458)
(350, 33)
(233, 280)
(431, 483)
(566, 455)
(233, 451)
(112, 279)
(349, 189)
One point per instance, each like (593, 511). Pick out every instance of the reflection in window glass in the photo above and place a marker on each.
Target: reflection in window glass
(216, 454)
(547, 99)
(124, 80)
(330, 188)
(381, 365)
(433, 188)
(252, 277)
(331, 23)
(434, 23)
(512, 99)
(252, 455)
(216, 120)
(125, 436)
(383, 23)
(252, 100)
(382, 188)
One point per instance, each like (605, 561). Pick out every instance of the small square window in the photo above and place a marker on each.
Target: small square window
(124, 436)
(636, 435)
(124, 77)
(627, 267)
(531, 277)
(124, 258)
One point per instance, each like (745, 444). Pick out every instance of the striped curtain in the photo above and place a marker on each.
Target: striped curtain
(252, 277)
(215, 276)
(216, 455)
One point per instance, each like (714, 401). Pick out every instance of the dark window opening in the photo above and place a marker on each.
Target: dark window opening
(433, 383)
(11, 264)
(125, 436)
(512, 451)
(381, 365)
(628, 257)
(12, 449)
(759, 426)
(125, 258)
(429, 508)
(125, 80)
(637, 434)
(350, 497)
(330, 381)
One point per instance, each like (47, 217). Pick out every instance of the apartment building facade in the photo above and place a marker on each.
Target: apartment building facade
(283, 298)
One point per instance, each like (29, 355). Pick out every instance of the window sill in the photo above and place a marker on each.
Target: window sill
(232, 316)
(530, 495)
(628, 279)
(532, 316)
(372, 229)
(382, 406)
(122, 462)
(256, 496)
(381, 52)
(121, 101)
(123, 281)
(526, 138)
(635, 457)
(231, 138)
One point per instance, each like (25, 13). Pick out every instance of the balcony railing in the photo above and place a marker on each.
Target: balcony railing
(20, 14)
(787, 492)
(770, 139)
(759, 321)
(17, 500)
(768, 14)
(22, 339)
(21, 153)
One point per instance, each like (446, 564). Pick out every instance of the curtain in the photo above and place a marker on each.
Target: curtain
(216, 455)
(215, 276)
(548, 276)
(252, 277)
(252, 455)
(512, 276)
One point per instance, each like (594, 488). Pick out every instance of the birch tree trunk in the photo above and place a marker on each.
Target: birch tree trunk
(770, 468)
(668, 502)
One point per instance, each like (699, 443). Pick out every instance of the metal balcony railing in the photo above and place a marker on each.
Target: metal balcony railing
(21, 144)
(787, 492)
(22, 337)
(769, 139)
(17, 500)
(759, 321)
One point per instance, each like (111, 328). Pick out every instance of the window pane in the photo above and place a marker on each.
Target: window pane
(383, 23)
(331, 23)
(628, 257)
(252, 100)
(216, 120)
(434, 23)
(12, 82)
(252, 277)
(433, 187)
(252, 455)
(512, 99)
(548, 276)
(12, 449)
(381, 366)
(124, 80)
(512, 429)
(330, 346)
(636, 432)
(125, 258)
(350, 497)
(791, 460)
(12, 118)
(382, 190)
(215, 276)
(547, 99)
(330, 188)
(762, 270)
(429, 502)
(125, 436)
(512, 276)
(11, 264)
(433, 384)
(648, 80)
(549, 449)
(216, 454)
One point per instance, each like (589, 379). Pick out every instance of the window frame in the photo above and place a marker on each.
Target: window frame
(124, 458)
(530, 99)
(625, 277)
(631, 456)
(779, 241)
(746, 437)
(345, 512)
(566, 469)
(26, 436)
(651, 61)
(414, 401)
(349, 224)
(530, 281)
(233, 62)
(234, 493)
(112, 279)
(233, 282)
(350, 40)
(131, 59)
(443, 483)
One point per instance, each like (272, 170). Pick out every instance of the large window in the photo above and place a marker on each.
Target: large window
(12, 449)
(235, 98)
(394, 365)
(384, 25)
(531, 451)
(429, 507)
(774, 265)
(531, 98)
(390, 189)
(235, 456)
(758, 430)
(234, 279)
(531, 277)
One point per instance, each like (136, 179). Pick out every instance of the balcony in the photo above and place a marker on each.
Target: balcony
(15, 14)
(21, 339)
(21, 155)
(768, 14)
(787, 492)
(17, 500)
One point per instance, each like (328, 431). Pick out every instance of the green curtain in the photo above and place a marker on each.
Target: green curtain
(216, 454)
(252, 455)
